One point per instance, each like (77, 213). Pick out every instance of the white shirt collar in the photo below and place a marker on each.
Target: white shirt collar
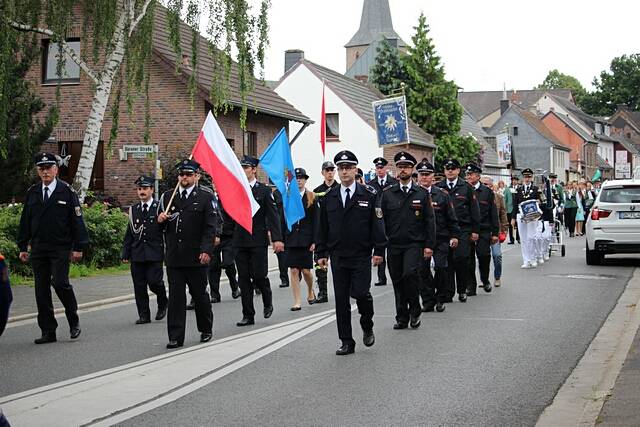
(52, 186)
(253, 182)
(343, 192)
(477, 185)
(189, 190)
(147, 202)
(408, 185)
(302, 192)
(454, 182)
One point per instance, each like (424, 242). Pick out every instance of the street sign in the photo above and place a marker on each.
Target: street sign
(138, 151)
(392, 125)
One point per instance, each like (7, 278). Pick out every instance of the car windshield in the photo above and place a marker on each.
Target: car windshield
(622, 194)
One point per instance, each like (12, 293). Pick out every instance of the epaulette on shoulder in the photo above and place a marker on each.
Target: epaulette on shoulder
(389, 187)
(444, 190)
(370, 189)
(321, 194)
(205, 189)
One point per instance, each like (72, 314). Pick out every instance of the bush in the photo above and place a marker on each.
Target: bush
(106, 229)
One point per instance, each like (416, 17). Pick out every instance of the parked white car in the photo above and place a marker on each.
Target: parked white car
(613, 226)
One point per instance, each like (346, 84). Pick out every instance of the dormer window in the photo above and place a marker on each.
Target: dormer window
(607, 130)
(598, 128)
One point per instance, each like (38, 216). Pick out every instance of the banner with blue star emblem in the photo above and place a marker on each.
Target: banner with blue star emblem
(392, 125)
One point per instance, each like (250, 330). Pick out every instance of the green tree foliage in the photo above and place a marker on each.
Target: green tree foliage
(557, 80)
(433, 100)
(388, 72)
(619, 85)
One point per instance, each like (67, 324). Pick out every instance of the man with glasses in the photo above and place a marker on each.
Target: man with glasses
(189, 226)
(433, 288)
(144, 247)
(328, 173)
(350, 229)
(410, 227)
(381, 181)
(468, 214)
(52, 227)
(251, 255)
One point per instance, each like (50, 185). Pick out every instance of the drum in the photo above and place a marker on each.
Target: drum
(530, 210)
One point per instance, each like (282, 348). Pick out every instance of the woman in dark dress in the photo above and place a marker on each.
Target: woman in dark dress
(300, 244)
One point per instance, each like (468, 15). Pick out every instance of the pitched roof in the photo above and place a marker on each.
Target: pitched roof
(632, 117)
(539, 126)
(261, 99)
(573, 126)
(587, 120)
(627, 144)
(469, 126)
(482, 103)
(359, 96)
(375, 22)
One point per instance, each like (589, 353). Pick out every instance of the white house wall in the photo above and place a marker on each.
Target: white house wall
(302, 89)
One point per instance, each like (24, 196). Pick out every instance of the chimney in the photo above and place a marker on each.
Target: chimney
(291, 58)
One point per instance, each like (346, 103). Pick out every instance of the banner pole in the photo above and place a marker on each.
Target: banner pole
(175, 190)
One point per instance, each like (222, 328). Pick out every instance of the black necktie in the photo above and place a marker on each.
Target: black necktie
(45, 198)
(145, 209)
(184, 194)
(451, 186)
(405, 189)
(348, 198)
(382, 184)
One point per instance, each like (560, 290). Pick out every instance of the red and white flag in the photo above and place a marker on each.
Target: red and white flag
(323, 124)
(215, 156)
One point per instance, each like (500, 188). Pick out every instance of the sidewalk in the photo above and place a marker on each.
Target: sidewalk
(90, 292)
(623, 407)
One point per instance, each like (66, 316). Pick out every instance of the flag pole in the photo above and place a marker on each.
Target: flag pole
(175, 190)
(323, 125)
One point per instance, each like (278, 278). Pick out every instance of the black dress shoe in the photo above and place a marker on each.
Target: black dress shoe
(322, 298)
(487, 287)
(462, 297)
(174, 344)
(368, 338)
(284, 285)
(346, 349)
(295, 308)
(235, 294)
(510, 243)
(311, 301)
(75, 332)
(400, 326)
(215, 300)
(245, 322)
(206, 337)
(143, 321)
(440, 307)
(472, 293)
(45, 339)
(191, 305)
(381, 284)
(427, 309)
(415, 322)
(162, 313)
(268, 311)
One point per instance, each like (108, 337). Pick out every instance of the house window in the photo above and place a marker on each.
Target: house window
(598, 128)
(515, 131)
(250, 147)
(70, 72)
(333, 127)
(68, 172)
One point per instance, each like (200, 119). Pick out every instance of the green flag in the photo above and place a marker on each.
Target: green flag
(596, 175)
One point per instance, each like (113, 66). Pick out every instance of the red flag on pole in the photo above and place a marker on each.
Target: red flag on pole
(323, 124)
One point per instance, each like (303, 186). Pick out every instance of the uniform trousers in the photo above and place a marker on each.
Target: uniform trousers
(528, 231)
(544, 239)
(481, 249)
(196, 279)
(252, 273)
(148, 274)
(51, 269)
(321, 277)
(511, 216)
(382, 270)
(457, 271)
(352, 279)
(403, 268)
(433, 287)
(222, 259)
(283, 268)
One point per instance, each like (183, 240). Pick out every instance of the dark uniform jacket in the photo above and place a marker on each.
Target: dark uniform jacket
(303, 233)
(446, 220)
(353, 230)
(191, 228)
(54, 225)
(465, 203)
(408, 217)
(143, 240)
(225, 224)
(489, 221)
(322, 189)
(388, 182)
(265, 220)
(533, 193)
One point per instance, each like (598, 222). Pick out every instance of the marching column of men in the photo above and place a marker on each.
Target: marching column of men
(432, 234)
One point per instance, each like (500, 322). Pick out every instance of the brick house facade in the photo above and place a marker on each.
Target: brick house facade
(175, 121)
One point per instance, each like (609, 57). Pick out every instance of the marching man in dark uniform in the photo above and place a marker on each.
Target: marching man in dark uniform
(52, 226)
(350, 228)
(410, 228)
(144, 248)
(488, 231)
(468, 214)
(251, 255)
(189, 226)
(328, 173)
(434, 289)
(379, 183)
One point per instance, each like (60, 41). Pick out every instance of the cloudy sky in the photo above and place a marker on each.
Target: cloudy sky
(483, 44)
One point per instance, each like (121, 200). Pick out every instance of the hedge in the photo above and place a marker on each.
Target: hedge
(106, 229)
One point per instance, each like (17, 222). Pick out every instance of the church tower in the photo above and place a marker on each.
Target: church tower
(375, 24)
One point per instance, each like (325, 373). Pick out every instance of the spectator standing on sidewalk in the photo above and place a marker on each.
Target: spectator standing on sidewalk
(496, 248)
(570, 207)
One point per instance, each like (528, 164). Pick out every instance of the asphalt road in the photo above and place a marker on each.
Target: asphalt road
(497, 360)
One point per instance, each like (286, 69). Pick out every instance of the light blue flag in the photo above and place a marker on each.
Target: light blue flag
(276, 161)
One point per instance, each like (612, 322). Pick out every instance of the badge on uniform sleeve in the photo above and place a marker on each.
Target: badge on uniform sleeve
(379, 213)
(78, 211)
